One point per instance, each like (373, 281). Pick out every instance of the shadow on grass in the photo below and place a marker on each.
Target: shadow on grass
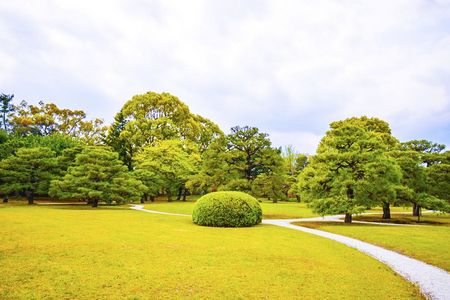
(86, 207)
(435, 220)
(317, 225)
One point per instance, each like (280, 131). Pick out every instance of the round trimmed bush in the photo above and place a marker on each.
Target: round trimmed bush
(227, 209)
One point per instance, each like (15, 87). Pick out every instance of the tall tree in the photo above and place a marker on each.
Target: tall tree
(29, 170)
(169, 163)
(47, 118)
(6, 108)
(235, 162)
(148, 118)
(98, 175)
(251, 152)
(432, 164)
(294, 163)
(351, 170)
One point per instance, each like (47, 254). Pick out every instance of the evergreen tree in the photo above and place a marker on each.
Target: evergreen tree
(98, 175)
(29, 170)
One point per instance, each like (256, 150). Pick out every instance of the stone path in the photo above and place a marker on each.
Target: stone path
(432, 281)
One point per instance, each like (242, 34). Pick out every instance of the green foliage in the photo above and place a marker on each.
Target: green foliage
(148, 118)
(47, 119)
(235, 161)
(425, 175)
(439, 181)
(351, 169)
(215, 171)
(56, 142)
(98, 175)
(269, 186)
(227, 209)
(294, 163)
(429, 151)
(167, 165)
(29, 170)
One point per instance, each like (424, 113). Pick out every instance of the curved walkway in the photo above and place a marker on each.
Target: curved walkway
(141, 208)
(433, 281)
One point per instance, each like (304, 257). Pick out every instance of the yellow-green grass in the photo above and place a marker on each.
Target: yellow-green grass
(425, 219)
(286, 210)
(77, 252)
(280, 210)
(430, 244)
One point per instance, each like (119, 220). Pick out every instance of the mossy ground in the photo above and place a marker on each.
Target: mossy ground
(59, 252)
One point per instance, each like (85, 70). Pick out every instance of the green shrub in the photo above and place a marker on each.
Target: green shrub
(227, 209)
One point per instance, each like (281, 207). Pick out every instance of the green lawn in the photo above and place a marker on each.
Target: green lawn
(280, 210)
(430, 244)
(425, 219)
(60, 252)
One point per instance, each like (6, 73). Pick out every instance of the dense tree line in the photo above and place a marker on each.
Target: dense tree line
(157, 147)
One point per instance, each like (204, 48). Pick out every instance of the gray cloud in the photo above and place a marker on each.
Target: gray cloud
(288, 67)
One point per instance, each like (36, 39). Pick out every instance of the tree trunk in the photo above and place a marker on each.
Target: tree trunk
(184, 194)
(30, 197)
(152, 198)
(274, 200)
(145, 197)
(416, 210)
(348, 218)
(386, 210)
(180, 191)
(5, 199)
(298, 198)
(142, 200)
(94, 202)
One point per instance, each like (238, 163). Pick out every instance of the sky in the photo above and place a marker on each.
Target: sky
(287, 67)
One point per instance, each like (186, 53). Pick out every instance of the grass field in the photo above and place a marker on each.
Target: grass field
(425, 219)
(60, 252)
(430, 244)
(280, 210)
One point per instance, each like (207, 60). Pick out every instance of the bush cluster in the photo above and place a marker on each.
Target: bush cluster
(227, 209)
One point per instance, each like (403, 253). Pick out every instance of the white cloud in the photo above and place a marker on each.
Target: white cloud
(290, 67)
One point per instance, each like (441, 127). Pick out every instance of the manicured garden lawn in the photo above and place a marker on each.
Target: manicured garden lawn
(425, 219)
(430, 244)
(280, 210)
(60, 252)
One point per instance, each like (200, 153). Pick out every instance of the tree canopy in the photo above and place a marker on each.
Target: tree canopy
(351, 170)
(29, 170)
(148, 118)
(98, 175)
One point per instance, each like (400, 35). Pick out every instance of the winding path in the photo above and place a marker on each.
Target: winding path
(433, 281)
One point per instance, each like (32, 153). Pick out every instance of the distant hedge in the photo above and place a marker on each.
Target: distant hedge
(227, 209)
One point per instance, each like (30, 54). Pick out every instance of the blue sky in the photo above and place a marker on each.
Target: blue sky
(287, 67)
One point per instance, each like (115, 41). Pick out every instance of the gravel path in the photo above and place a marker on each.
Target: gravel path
(141, 208)
(432, 281)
